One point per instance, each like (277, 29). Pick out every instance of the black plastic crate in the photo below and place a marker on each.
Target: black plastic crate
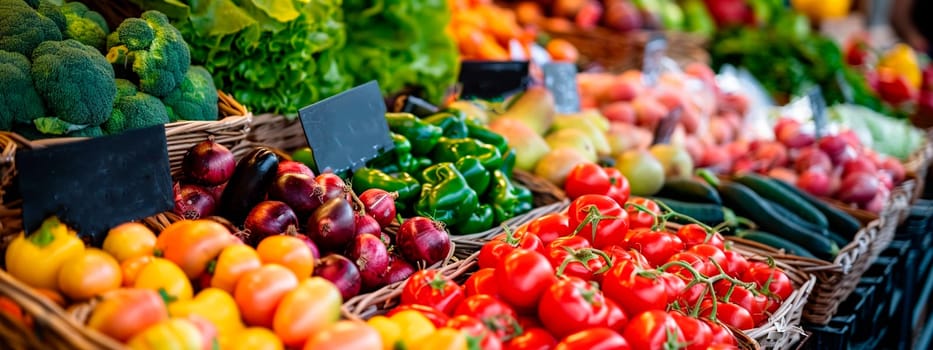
(832, 336)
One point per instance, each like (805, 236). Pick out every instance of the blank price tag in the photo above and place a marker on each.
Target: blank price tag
(561, 79)
(347, 130)
(96, 184)
(493, 79)
(818, 106)
(655, 49)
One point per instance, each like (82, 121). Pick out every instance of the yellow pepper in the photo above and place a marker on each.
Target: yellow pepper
(443, 339)
(172, 334)
(214, 305)
(165, 277)
(36, 259)
(903, 60)
(402, 330)
(253, 338)
(389, 331)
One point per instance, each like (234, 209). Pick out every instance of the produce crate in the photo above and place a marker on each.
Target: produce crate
(918, 165)
(617, 52)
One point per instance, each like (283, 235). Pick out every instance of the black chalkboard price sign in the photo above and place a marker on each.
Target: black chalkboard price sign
(493, 79)
(95, 184)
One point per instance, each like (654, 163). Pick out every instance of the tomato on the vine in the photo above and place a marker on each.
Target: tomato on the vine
(619, 189)
(691, 295)
(522, 277)
(532, 339)
(638, 218)
(710, 253)
(697, 262)
(587, 178)
(730, 314)
(498, 316)
(571, 305)
(505, 243)
(481, 282)
(603, 213)
(693, 234)
(698, 332)
(476, 331)
(573, 256)
(431, 288)
(656, 246)
(616, 319)
(654, 329)
(673, 285)
(754, 302)
(619, 253)
(633, 292)
(550, 227)
(772, 281)
(721, 334)
(594, 339)
(735, 264)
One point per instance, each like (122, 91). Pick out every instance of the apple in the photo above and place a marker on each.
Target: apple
(675, 160)
(588, 16)
(737, 149)
(859, 188)
(716, 159)
(622, 16)
(574, 139)
(648, 111)
(557, 164)
(619, 112)
(815, 182)
(644, 173)
(622, 90)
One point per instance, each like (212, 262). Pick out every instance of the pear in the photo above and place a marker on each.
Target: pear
(593, 115)
(535, 107)
(575, 139)
(528, 145)
(557, 164)
(644, 173)
(472, 110)
(596, 136)
(675, 160)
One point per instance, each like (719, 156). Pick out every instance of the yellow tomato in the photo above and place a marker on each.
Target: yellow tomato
(129, 240)
(389, 331)
(414, 327)
(214, 305)
(36, 259)
(287, 251)
(131, 267)
(253, 338)
(175, 333)
(443, 339)
(232, 263)
(165, 277)
(87, 275)
(124, 313)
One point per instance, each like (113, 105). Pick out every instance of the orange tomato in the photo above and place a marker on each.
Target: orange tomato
(165, 277)
(131, 267)
(345, 335)
(288, 251)
(124, 313)
(306, 310)
(562, 50)
(192, 244)
(254, 338)
(490, 50)
(129, 240)
(232, 263)
(89, 274)
(259, 292)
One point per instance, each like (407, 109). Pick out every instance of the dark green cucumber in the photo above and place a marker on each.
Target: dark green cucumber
(750, 205)
(840, 241)
(789, 215)
(776, 242)
(787, 199)
(689, 190)
(710, 214)
(839, 221)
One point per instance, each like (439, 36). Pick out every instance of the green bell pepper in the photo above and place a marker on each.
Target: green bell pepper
(399, 159)
(508, 162)
(445, 195)
(474, 173)
(418, 164)
(525, 199)
(480, 220)
(404, 184)
(485, 135)
(454, 126)
(506, 199)
(423, 136)
(452, 150)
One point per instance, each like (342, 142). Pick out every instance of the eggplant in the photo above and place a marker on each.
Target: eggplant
(247, 187)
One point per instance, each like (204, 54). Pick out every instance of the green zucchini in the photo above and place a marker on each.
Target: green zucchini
(689, 190)
(773, 240)
(785, 198)
(750, 205)
(789, 215)
(710, 214)
(839, 221)
(840, 241)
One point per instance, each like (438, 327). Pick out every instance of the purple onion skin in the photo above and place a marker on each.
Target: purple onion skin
(366, 224)
(371, 257)
(299, 191)
(332, 226)
(399, 270)
(423, 240)
(333, 186)
(269, 218)
(193, 202)
(380, 205)
(341, 272)
(208, 163)
(293, 167)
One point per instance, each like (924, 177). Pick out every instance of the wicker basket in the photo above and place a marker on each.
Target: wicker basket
(468, 244)
(918, 165)
(617, 52)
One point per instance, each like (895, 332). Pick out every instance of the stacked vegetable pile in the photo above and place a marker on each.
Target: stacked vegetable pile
(66, 76)
(450, 168)
(899, 75)
(594, 276)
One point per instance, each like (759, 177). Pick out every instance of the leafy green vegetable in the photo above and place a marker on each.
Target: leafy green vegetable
(893, 137)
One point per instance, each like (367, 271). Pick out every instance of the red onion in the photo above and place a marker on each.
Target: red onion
(193, 202)
(858, 188)
(371, 257)
(333, 186)
(366, 224)
(208, 163)
(341, 272)
(422, 239)
(299, 191)
(386, 239)
(332, 225)
(269, 218)
(380, 205)
(293, 167)
(217, 191)
(399, 270)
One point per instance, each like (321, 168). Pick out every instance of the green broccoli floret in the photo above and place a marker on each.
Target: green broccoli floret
(91, 131)
(194, 99)
(133, 109)
(19, 100)
(84, 25)
(153, 49)
(75, 81)
(54, 13)
(22, 28)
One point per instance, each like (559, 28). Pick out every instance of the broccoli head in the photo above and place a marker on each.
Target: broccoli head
(19, 101)
(153, 49)
(194, 99)
(54, 13)
(133, 109)
(22, 28)
(85, 25)
(75, 81)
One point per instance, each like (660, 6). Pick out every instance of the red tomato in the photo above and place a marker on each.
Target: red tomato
(721, 334)
(438, 318)
(522, 277)
(722, 347)
(550, 227)
(730, 314)
(638, 218)
(504, 244)
(620, 190)
(587, 178)
(571, 305)
(532, 339)
(754, 302)
(709, 253)
(481, 282)
(594, 339)
(634, 293)
(691, 295)
(529, 321)
(619, 253)
(575, 257)
(477, 331)
(696, 331)
(496, 315)
(693, 234)
(611, 222)
(673, 285)
(654, 329)
(616, 319)
(431, 288)
(698, 263)
(771, 280)
(735, 264)
(657, 246)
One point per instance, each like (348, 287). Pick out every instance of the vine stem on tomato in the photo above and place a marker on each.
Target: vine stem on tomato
(699, 278)
(661, 220)
(584, 256)
(593, 217)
